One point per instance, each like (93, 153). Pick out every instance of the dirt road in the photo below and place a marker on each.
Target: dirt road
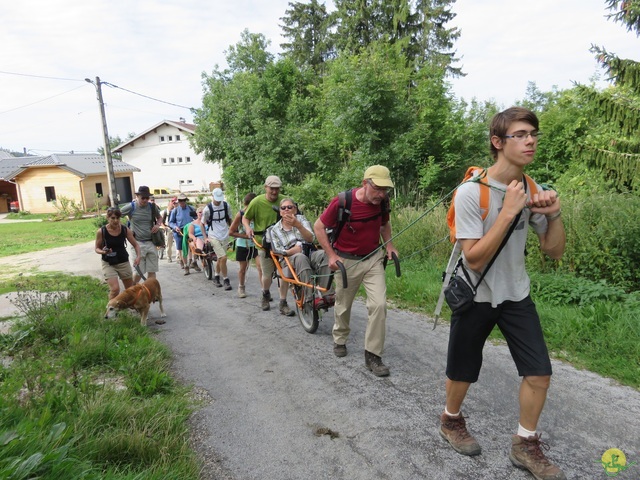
(277, 393)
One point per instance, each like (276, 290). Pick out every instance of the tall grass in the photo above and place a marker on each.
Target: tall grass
(89, 398)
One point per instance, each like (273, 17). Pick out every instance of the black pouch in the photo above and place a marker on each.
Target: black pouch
(459, 294)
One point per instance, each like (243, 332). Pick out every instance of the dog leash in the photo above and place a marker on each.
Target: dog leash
(137, 267)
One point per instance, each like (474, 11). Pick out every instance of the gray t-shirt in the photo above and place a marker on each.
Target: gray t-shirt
(507, 278)
(140, 220)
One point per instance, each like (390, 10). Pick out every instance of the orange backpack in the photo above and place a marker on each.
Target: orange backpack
(485, 196)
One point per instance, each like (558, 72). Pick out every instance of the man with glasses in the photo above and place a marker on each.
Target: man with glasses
(144, 219)
(357, 247)
(503, 298)
(263, 211)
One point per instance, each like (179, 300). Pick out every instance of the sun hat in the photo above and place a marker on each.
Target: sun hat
(273, 181)
(217, 194)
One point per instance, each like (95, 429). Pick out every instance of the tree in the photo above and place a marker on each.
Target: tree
(614, 145)
(114, 142)
(307, 27)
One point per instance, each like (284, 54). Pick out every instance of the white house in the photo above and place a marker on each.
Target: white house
(166, 160)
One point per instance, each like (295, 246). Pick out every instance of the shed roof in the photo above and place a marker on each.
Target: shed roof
(82, 165)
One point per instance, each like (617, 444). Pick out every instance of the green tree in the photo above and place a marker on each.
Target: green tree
(613, 145)
(114, 142)
(307, 27)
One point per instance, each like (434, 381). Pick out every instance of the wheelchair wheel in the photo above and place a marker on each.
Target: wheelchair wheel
(309, 318)
(207, 266)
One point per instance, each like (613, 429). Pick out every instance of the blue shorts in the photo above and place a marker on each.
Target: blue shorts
(520, 325)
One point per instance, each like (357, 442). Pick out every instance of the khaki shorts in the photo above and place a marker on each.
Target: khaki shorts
(266, 262)
(149, 256)
(120, 270)
(220, 246)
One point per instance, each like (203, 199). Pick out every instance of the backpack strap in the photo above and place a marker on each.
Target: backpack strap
(344, 213)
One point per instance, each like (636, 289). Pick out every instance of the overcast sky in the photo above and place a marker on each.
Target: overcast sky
(160, 49)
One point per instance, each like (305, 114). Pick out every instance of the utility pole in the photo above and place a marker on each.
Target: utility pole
(111, 178)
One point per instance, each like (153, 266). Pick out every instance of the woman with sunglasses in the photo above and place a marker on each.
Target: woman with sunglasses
(111, 243)
(287, 237)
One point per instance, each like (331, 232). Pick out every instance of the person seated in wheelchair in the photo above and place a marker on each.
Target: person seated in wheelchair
(292, 236)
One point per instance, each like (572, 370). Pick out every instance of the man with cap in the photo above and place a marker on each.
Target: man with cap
(357, 247)
(216, 216)
(179, 217)
(263, 211)
(144, 219)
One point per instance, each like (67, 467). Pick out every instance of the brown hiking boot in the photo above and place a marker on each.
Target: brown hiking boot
(186, 270)
(454, 430)
(285, 310)
(265, 302)
(374, 363)
(526, 453)
(339, 350)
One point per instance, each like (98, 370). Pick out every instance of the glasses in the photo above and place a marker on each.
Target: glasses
(287, 207)
(182, 200)
(113, 211)
(376, 188)
(144, 198)
(522, 136)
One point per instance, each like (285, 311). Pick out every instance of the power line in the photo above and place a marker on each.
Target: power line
(40, 101)
(42, 76)
(145, 96)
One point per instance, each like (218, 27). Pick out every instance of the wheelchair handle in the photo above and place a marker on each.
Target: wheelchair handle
(396, 262)
(343, 271)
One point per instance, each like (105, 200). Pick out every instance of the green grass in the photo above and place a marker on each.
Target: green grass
(88, 398)
(35, 236)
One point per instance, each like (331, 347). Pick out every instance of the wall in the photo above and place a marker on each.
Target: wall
(32, 183)
(147, 153)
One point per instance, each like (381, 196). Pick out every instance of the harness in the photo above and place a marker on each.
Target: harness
(226, 217)
(140, 292)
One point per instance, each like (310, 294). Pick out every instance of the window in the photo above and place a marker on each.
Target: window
(164, 161)
(177, 138)
(179, 159)
(50, 193)
(99, 188)
(187, 159)
(172, 160)
(181, 182)
(161, 138)
(170, 138)
(189, 182)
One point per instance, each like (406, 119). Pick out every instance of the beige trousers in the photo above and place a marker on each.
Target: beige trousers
(370, 274)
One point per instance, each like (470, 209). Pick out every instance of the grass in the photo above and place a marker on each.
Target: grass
(35, 236)
(85, 398)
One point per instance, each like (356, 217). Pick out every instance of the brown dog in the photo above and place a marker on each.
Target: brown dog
(139, 297)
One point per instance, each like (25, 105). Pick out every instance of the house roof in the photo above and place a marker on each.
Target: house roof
(82, 165)
(182, 126)
(11, 164)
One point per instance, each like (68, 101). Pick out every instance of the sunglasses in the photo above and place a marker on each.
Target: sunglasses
(144, 198)
(115, 217)
(287, 207)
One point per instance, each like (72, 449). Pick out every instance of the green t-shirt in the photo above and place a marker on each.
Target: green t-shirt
(262, 213)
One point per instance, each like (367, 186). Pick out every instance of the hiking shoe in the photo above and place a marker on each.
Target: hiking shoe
(216, 281)
(454, 430)
(186, 270)
(227, 284)
(265, 302)
(181, 263)
(241, 292)
(269, 297)
(339, 350)
(196, 267)
(526, 453)
(285, 310)
(374, 363)
(169, 259)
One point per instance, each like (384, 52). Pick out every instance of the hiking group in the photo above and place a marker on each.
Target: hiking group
(491, 212)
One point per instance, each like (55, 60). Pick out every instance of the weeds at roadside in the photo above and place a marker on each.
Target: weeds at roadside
(88, 398)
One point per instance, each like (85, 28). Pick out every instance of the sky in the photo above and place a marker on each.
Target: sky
(160, 49)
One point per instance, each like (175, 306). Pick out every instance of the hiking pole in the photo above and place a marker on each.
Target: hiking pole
(453, 259)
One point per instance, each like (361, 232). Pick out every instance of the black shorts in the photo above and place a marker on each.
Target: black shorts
(244, 254)
(520, 325)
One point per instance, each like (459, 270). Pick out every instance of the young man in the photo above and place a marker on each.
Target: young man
(357, 248)
(216, 216)
(145, 219)
(503, 297)
(262, 211)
